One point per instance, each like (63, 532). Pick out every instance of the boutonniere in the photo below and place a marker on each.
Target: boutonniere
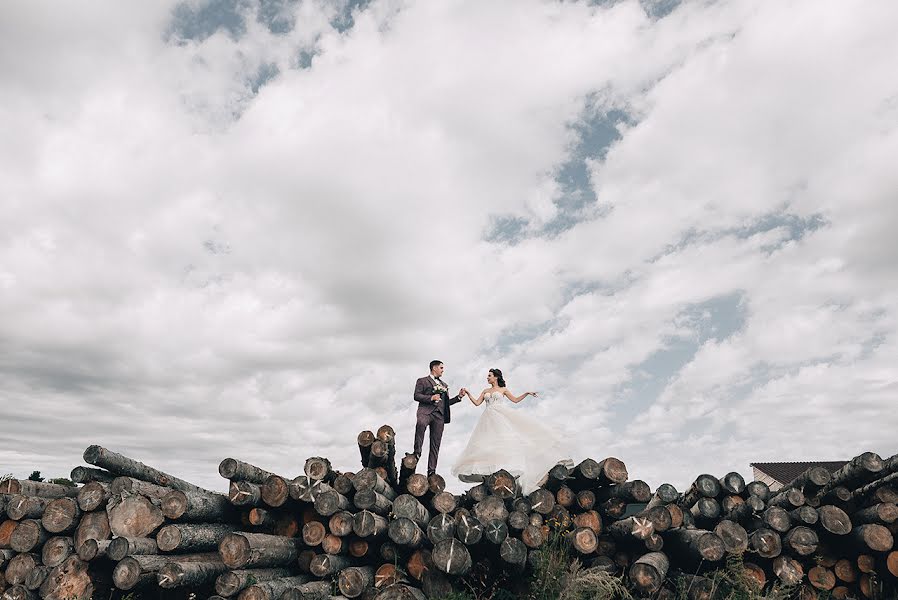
(438, 389)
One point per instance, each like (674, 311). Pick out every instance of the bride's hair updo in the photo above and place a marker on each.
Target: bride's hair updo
(498, 375)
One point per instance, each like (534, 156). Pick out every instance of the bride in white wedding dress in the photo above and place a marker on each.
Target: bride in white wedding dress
(505, 438)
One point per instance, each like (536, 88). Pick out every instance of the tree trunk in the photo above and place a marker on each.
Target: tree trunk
(821, 577)
(834, 520)
(194, 506)
(56, 550)
(28, 536)
(353, 581)
(365, 439)
(734, 536)
(765, 542)
(583, 540)
(367, 524)
(648, 572)
(495, 531)
(244, 493)
(860, 470)
(247, 550)
(866, 537)
(325, 565)
(233, 582)
(490, 508)
(140, 570)
(176, 574)
(91, 549)
(93, 526)
(192, 537)
(405, 532)
(788, 570)
(409, 507)
(21, 507)
(513, 551)
(94, 496)
(372, 501)
(417, 486)
(121, 547)
(272, 589)
(19, 566)
(801, 541)
(452, 557)
(400, 592)
(41, 489)
(122, 465)
(236, 470)
(313, 533)
(696, 543)
(705, 486)
(275, 491)
(444, 502)
(84, 475)
(61, 515)
(133, 516)
(329, 502)
(468, 529)
(313, 590)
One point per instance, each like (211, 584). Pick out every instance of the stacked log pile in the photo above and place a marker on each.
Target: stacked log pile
(392, 533)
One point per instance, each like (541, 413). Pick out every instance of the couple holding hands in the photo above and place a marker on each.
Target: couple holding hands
(503, 438)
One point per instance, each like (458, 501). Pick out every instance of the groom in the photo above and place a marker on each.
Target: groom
(432, 396)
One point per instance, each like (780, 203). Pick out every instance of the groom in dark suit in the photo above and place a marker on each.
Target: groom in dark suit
(432, 396)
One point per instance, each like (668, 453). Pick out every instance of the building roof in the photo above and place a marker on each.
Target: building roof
(784, 472)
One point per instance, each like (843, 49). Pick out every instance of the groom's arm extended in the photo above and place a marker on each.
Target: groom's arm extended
(420, 396)
(457, 399)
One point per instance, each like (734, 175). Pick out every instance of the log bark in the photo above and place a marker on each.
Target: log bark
(177, 574)
(123, 484)
(543, 501)
(353, 581)
(860, 470)
(367, 524)
(801, 540)
(133, 516)
(21, 507)
(452, 557)
(407, 468)
(405, 532)
(19, 566)
(41, 489)
(648, 572)
(409, 507)
(140, 570)
(244, 493)
(441, 527)
(372, 501)
(275, 491)
(636, 491)
(365, 439)
(444, 502)
(194, 506)
(765, 542)
(330, 502)
(313, 533)
(56, 550)
(121, 547)
(313, 590)
(811, 481)
(192, 537)
(787, 499)
(584, 540)
(272, 589)
(834, 520)
(232, 583)
(122, 465)
(84, 475)
(325, 565)
(821, 577)
(340, 523)
(93, 526)
(61, 515)
(92, 549)
(400, 592)
(94, 496)
(495, 531)
(237, 470)
(733, 535)
(247, 550)
(468, 529)
(696, 543)
(869, 537)
(28, 536)
(69, 580)
(882, 514)
(788, 570)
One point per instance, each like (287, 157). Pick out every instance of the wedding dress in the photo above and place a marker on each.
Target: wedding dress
(505, 438)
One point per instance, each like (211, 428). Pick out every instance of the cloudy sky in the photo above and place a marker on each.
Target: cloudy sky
(244, 227)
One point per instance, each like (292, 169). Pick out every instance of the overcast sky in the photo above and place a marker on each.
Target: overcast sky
(244, 227)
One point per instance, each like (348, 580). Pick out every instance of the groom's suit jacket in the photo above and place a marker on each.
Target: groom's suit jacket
(423, 393)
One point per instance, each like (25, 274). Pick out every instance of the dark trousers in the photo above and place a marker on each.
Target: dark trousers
(433, 420)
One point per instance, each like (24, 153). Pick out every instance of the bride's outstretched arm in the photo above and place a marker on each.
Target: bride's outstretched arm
(517, 399)
(479, 399)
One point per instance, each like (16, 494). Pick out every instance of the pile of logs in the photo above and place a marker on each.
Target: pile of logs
(395, 534)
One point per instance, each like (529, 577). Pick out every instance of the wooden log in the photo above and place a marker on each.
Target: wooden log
(360, 548)
(369, 479)
(365, 440)
(868, 537)
(811, 481)
(123, 484)
(319, 469)
(91, 549)
(533, 536)
(71, 579)
(122, 465)
(452, 557)
(408, 506)
(306, 490)
(325, 565)
(36, 577)
(407, 467)
(839, 496)
(28, 536)
(237, 470)
(635, 491)
(583, 540)
(367, 524)
(405, 532)
(272, 589)
(805, 515)
(275, 491)
(231, 583)
(845, 570)
(758, 489)
(371, 501)
(866, 563)
(637, 527)
(56, 549)
(84, 475)
(696, 543)
(585, 499)
(304, 561)
(343, 484)
(502, 484)
(821, 577)
(417, 486)
(334, 544)
(676, 515)
(353, 581)
(801, 541)
(140, 570)
(313, 590)
(860, 470)
(591, 520)
(704, 486)
(19, 566)
(133, 516)
(517, 521)
(244, 493)
(513, 552)
(732, 483)
(329, 502)
(61, 515)
(94, 496)
(21, 507)
(557, 477)
(495, 531)
(841, 592)
(491, 508)
(389, 574)
(777, 519)
(93, 526)
(25, 487)
(659, 516)
(19, 592)
(664, 494)
(648, 572)
(834, 520)
(788, 570)
(882, 514)
(441, 527)
(121, 547)
(313, 533)
(176, 574)
(542, 501)
(436, 483)
(400, 591)
(444, 502)
(340, 523)
(787, 499)
(248, 550)
(613, 508)
(765, 542)
(706, 512)
(733, 535)
(195, 506)
(468, 530)
(192, 537)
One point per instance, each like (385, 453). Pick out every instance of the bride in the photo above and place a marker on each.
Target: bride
(505, 438)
